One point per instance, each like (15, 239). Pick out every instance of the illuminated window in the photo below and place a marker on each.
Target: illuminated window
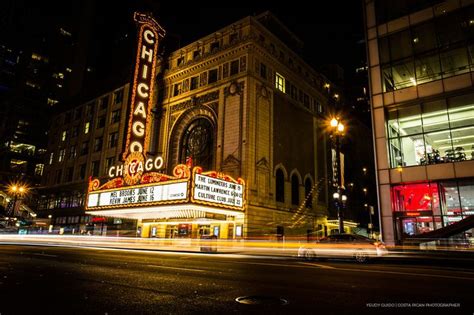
(64, 32)
(432, 133)
(280, 186)
(62, 153)
(86, 127)
(39, 169)
(295, 190)
(52, 102)
(280, 82)
(18, 165)
(64, 135)
(51, 157)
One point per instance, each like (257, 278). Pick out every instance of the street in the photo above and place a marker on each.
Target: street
(62, 280)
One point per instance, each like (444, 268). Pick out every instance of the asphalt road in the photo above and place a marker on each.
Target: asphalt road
(58, 280)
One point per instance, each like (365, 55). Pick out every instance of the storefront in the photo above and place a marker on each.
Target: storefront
(423, 207)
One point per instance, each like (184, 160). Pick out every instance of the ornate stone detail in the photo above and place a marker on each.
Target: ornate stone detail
(173, 119)
(263, 164)
(195, 101)
(234, 88)
(231, 162)
(262, 91)
(214, 106)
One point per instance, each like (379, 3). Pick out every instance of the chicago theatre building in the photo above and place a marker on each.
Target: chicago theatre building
(222, 137)
(421, 65)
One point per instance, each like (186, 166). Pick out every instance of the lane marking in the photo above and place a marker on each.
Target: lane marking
(46, 255)
(177, 268)
(286, 265)
(318, 265)
(403, 273)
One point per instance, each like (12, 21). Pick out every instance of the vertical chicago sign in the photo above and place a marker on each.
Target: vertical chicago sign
(141, 103)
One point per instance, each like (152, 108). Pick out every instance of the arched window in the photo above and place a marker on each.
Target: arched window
(307, 189)
(198, 143)
(295, 193)
(280, 186)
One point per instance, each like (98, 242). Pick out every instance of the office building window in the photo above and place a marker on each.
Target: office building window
(72, 151)
(86, 127)
(84, 148)
(97, 144)
(109, 162)
(51, 158)
(234, 67)
(101, 122)
(113, 140)
(95, 168)
(263, 70)
(82, 171)
(431, 133)
(39, 168)
(64, 135)
(177, 89)
(118, 96)
(62, 153)
(280, 82)
(115, 116)
(194, 83)
(212, 77)
(104, 102)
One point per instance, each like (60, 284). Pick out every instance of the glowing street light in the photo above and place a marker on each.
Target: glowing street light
(337, 129)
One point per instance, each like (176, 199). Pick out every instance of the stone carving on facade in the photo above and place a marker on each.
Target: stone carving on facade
(262, 91)
(195, 101)
(234, 88)
(263, 164)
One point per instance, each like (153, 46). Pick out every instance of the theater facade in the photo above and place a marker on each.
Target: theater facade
(223, 137)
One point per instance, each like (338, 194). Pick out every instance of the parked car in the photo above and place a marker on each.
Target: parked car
(350, 246)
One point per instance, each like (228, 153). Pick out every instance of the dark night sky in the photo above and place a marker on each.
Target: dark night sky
(330, 30)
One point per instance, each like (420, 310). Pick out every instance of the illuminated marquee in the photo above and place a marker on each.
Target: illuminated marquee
(140, 195)
(217, 189)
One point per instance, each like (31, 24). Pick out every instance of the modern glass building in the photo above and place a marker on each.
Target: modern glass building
(421, 62)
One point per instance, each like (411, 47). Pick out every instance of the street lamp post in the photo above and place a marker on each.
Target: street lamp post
(17, 190)
(337, 131)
